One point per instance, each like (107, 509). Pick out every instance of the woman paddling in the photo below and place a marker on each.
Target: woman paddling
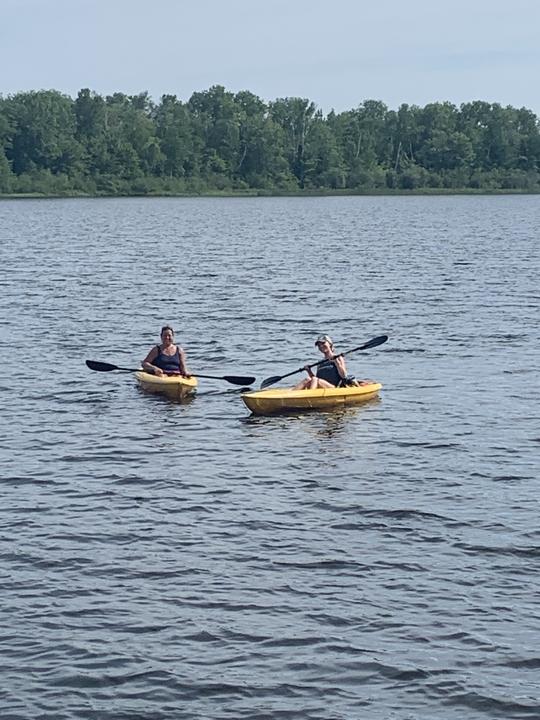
(166, 358)
(332, 372)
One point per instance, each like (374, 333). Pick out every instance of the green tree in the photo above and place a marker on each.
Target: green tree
(132, 148)
(6, 176)
(217, 125)
(179, 146)
(295, 116)
(324, 166)
(405, 135)
(43, 133)
(529, 140)
(262, 161)
(364, 139)
(91, 131)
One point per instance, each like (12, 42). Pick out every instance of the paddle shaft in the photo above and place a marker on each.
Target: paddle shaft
(234, 379)
(320, 362)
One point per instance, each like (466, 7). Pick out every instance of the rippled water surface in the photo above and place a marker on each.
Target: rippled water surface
(173, 561)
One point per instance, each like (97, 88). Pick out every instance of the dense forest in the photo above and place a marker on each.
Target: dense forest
(219, 141)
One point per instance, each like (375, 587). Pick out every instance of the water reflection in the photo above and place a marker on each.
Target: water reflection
(319, 425)
(337, 421)
(167, 397)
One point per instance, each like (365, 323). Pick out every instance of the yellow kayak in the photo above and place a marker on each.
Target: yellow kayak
(266, 402)
(174, 386)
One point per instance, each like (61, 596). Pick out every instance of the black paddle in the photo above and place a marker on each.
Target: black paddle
(234, 379)
(371, 344)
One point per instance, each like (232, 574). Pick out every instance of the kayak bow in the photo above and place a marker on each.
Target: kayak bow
(174, 386)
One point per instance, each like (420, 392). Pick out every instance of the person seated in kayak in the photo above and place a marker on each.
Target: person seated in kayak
(166, 358)
(330, 373)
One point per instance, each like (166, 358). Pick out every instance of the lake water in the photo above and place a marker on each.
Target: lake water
(164, 561)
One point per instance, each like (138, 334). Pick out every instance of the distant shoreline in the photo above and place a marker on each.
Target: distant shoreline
(260, 193)
(225, 144)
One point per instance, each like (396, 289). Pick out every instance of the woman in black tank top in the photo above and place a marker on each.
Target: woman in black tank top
(330, 373)
(167, 358)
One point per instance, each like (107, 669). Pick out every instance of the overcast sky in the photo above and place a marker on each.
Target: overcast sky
(334, 52)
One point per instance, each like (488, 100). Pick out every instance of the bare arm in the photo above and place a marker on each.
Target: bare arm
(183, 367)
(309, 371)
(339, 362)
(149, 359)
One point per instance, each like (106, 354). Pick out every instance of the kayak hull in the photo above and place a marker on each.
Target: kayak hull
(280, 400)
(173, 386)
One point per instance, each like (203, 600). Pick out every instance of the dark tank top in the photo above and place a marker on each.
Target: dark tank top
(168, 363)
(329, 372)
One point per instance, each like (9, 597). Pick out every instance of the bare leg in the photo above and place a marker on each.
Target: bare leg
(313, 383)
(322, 384)
(302, 385)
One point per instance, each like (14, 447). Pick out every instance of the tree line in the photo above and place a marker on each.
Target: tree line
(219, 141)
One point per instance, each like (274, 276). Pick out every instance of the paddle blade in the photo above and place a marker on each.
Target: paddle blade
(106, 367)
(270, 381)
(376, 341)
(239, 379)
(100, 366)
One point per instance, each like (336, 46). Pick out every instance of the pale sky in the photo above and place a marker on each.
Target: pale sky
(336, 53)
